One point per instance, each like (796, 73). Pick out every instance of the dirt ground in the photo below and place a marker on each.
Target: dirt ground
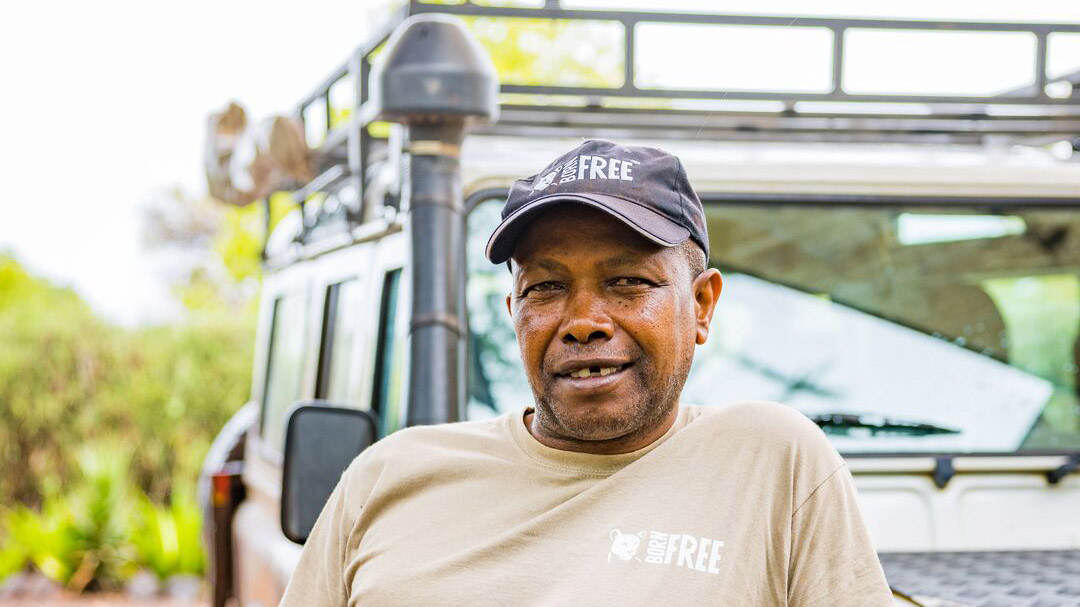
(99, 600)
(31, 589)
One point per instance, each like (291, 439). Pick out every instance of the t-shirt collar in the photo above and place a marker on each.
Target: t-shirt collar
(575, 461)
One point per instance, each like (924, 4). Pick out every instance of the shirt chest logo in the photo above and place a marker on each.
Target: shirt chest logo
(669, 549)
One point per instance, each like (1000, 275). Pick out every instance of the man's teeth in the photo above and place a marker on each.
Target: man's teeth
(601, 371)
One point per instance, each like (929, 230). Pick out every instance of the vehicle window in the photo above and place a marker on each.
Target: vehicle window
(340, 355)
(496, 380)
(936, 329)
(390, 358)
(285, 367)
(326, 343)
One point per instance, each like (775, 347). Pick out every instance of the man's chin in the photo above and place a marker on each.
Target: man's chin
(605, 420)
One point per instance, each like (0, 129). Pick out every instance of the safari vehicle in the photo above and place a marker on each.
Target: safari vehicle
(903, 268)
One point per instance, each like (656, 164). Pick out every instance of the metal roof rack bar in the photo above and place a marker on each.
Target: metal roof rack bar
(1027, 114)
(349, 143)
(838, 26)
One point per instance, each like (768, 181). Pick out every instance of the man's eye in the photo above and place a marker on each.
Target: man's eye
(629, 281)
(541, 287)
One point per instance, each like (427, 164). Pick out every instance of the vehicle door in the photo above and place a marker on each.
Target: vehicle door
(315, 322)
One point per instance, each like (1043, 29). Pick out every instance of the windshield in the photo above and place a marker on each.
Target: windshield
(961, 320)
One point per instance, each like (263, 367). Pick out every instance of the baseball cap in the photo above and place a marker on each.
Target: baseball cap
(645, 188)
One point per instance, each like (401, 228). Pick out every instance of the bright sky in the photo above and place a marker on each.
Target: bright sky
(104, 103)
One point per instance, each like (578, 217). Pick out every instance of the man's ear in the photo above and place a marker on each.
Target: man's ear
(707, 287)
(509, 300)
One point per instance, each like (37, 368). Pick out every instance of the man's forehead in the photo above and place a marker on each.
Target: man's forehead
(552, 261)
(578, 229)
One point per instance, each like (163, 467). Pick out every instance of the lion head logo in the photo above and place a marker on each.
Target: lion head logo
(624, 546)
(542, 183)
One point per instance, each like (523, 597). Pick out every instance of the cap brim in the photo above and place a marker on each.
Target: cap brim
(650, 224)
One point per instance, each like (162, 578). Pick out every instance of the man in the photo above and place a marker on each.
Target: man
(607, 491)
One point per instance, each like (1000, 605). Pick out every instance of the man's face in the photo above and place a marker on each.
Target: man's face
(607, 322)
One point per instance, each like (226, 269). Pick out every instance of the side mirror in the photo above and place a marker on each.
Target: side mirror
(320, 441)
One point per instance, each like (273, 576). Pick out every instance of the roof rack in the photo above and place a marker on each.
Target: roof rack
(338, 117)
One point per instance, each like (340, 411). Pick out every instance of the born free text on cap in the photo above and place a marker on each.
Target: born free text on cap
(645, 188)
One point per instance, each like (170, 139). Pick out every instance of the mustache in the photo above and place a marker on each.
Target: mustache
(558, 362)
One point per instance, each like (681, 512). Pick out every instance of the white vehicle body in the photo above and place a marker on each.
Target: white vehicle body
(992, 503)
(888, 289)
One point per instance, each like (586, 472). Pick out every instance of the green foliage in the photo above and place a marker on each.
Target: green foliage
(552, 51)
(12, 555)
(99, 531)
(17, 286)
(211, 250)
(239, 241)
(168, 538)
(54, 359)
(184, 383)
(98, 424)
(46, 537)
(65, 376)
(79, 539)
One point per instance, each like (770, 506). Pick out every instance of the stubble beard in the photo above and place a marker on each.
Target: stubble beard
(649, 407)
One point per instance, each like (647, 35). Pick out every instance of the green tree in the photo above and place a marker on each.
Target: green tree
(54, 356)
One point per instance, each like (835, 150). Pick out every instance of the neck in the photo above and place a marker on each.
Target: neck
(627, 443)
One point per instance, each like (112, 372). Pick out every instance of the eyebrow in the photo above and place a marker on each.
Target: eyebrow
(622, 260)
(546, 263)
(618, 261)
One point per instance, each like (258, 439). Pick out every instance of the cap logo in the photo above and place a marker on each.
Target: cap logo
(542, 183)
(587, 167)
(645, 188)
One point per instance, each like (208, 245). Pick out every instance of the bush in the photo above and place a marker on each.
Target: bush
(99, 425)
(65, 376)
(79, 539)
(168, 539)
(12, 555)
(101, 531)
(179, 387)
(54, 358)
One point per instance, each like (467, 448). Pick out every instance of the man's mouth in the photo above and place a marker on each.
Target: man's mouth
(595, 371)
(592, 376)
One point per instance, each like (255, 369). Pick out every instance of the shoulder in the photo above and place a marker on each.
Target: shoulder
(438, 437)
(762, 420)
(416, 457)
(434, 443)
(767, 436)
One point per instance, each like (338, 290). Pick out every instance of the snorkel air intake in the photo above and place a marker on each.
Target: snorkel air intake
(435, 78)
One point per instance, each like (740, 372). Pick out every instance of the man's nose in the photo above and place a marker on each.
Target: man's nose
(586, 320)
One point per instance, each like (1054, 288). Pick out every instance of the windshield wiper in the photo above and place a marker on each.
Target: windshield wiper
(841, 423)
(1071, 465)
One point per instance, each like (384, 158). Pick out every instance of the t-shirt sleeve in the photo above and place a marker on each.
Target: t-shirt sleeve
(319, 577)
(832, 562)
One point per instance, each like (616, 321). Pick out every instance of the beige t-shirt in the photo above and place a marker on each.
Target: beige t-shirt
(746, 504)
